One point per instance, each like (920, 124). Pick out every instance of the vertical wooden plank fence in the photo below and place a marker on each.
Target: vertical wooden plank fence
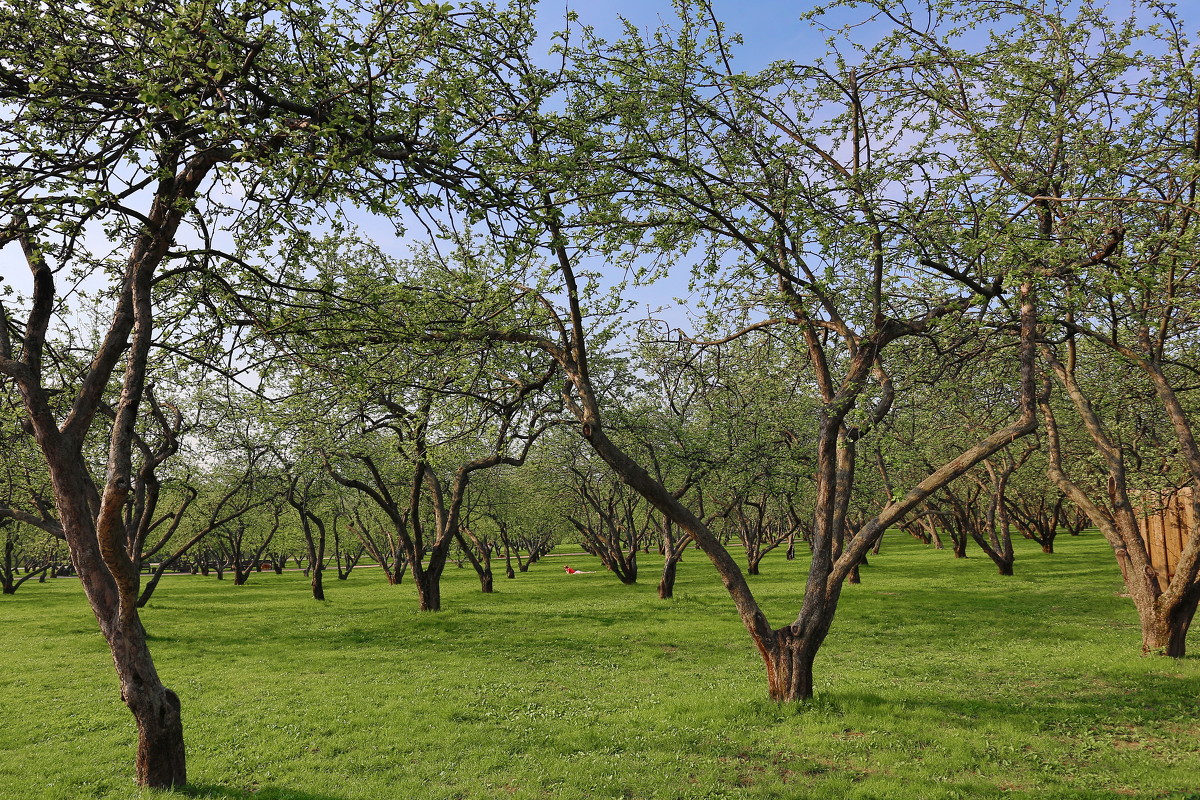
(1166, 521)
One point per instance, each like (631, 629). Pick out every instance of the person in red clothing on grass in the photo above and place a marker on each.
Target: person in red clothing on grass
(572, 571)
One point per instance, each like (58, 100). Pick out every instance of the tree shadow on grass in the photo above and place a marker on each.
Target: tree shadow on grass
(1117, 701)
(265, 793)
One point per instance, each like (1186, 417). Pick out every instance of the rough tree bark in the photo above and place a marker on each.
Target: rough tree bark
(1165, 608)
(92, 517)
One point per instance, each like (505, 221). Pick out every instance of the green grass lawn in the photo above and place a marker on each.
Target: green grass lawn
(940, 679)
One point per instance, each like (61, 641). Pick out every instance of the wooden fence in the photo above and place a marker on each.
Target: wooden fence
(1165, 523)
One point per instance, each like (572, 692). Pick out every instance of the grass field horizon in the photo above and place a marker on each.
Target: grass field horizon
(940, 679)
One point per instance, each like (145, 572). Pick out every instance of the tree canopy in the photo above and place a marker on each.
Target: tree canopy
(944, 278)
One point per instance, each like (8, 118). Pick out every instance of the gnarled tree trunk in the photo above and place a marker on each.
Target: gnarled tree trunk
(1165, 607)
(156, 710)
(789, 658)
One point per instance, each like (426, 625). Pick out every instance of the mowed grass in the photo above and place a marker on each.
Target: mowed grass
(940, 679)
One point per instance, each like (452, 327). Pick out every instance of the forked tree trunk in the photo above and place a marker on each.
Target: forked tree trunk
(788, 653)
(789, 660)
(1165, 612)
(314, 541)
(91, 515)
(672, 549)
(960, 545)
(1157, 633)
(481, 563)
(1000, 552)
(1164, 617)
(9, 582)
(429, 588)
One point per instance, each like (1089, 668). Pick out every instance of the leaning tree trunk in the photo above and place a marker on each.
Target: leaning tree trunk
(96, 536)
(91, 518)
(936, 538)
(1001, 553)
(855, 575)
(156, 710)
(1164, 611)
(110, 582)
(151, 585)
(482, 563)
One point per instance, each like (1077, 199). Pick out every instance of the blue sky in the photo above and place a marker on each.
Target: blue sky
(771, 28)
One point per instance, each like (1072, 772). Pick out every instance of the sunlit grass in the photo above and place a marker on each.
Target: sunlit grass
(941, 679)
